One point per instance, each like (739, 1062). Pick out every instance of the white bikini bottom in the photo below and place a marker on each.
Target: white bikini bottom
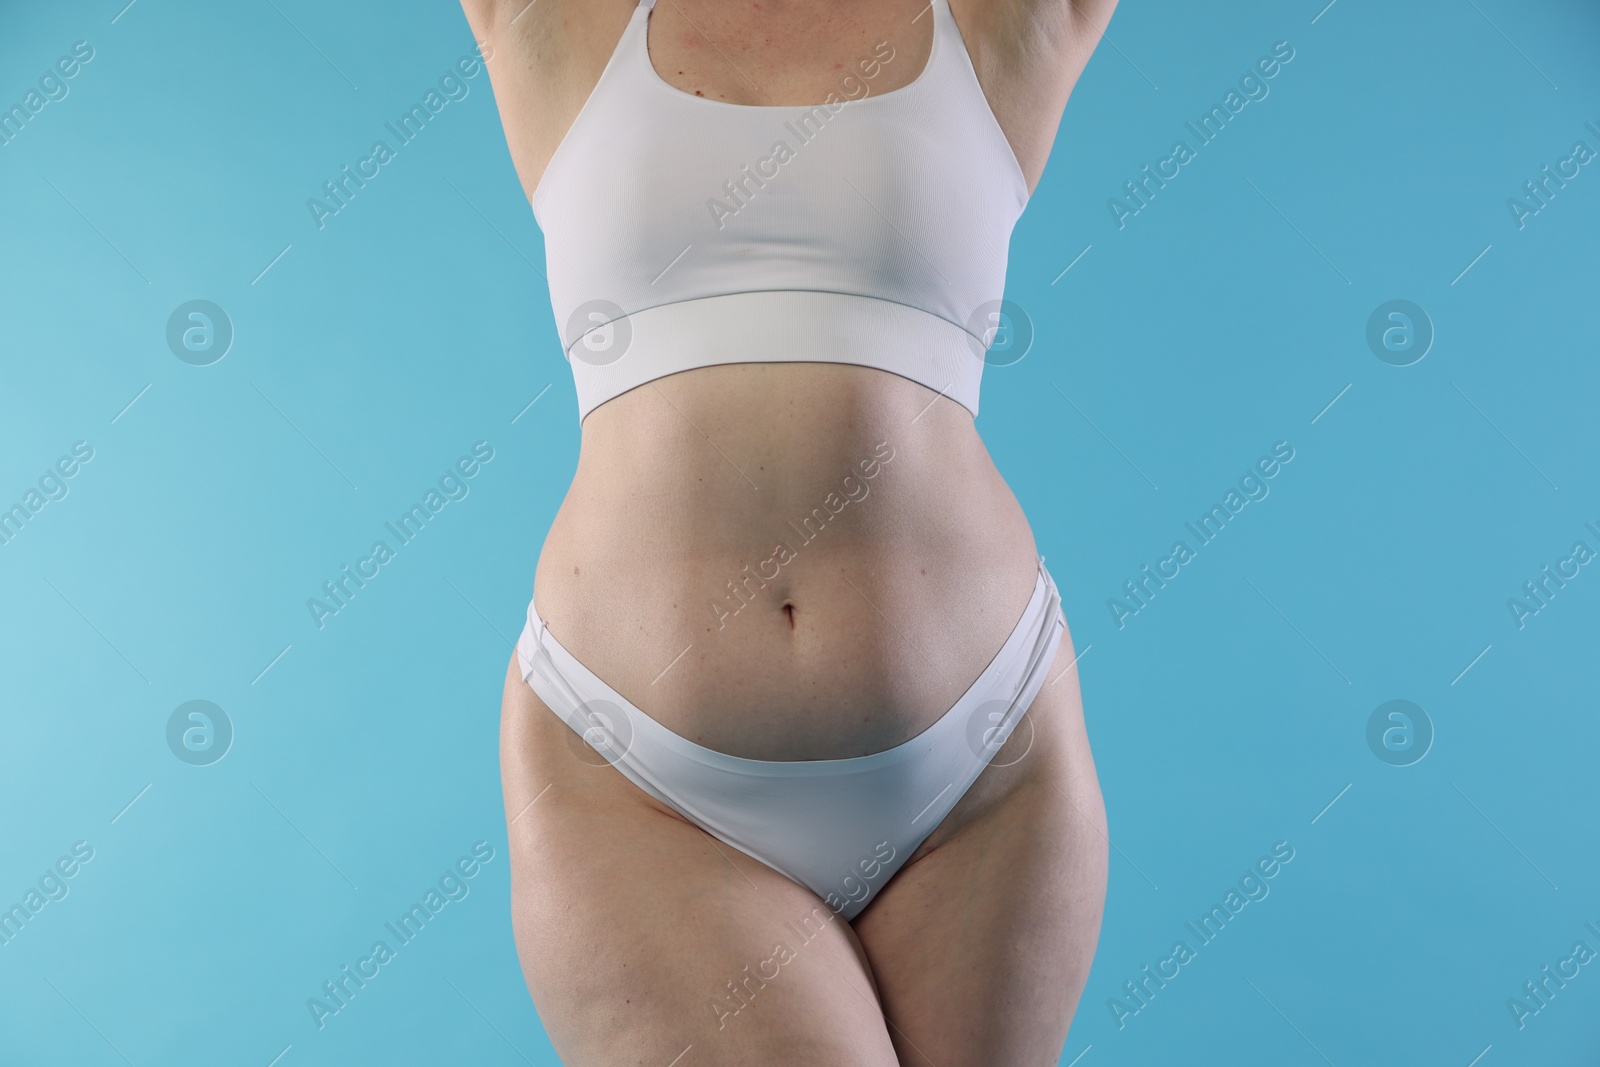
(843, 827)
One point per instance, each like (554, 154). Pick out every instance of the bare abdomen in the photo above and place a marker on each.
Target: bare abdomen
(786, 561)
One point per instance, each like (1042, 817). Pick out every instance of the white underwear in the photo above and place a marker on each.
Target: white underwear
(842, 828)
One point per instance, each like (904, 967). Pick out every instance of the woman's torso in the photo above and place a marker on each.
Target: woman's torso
(776, 560)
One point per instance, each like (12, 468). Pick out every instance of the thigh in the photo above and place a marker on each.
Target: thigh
(982, 943)
(645, 940)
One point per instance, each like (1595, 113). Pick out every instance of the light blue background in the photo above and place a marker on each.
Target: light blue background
(1226, 715)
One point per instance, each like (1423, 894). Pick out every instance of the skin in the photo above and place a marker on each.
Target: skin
(629, 920)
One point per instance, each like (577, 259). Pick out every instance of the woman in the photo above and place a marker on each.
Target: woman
(789, 610)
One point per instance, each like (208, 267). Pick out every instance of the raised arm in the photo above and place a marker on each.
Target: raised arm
(1028, 55)
(546, 55)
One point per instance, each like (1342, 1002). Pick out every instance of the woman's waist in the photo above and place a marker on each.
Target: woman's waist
(780, 584)
(602, 558)
(723, 464)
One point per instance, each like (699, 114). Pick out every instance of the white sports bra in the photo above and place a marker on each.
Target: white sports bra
(871, 229)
